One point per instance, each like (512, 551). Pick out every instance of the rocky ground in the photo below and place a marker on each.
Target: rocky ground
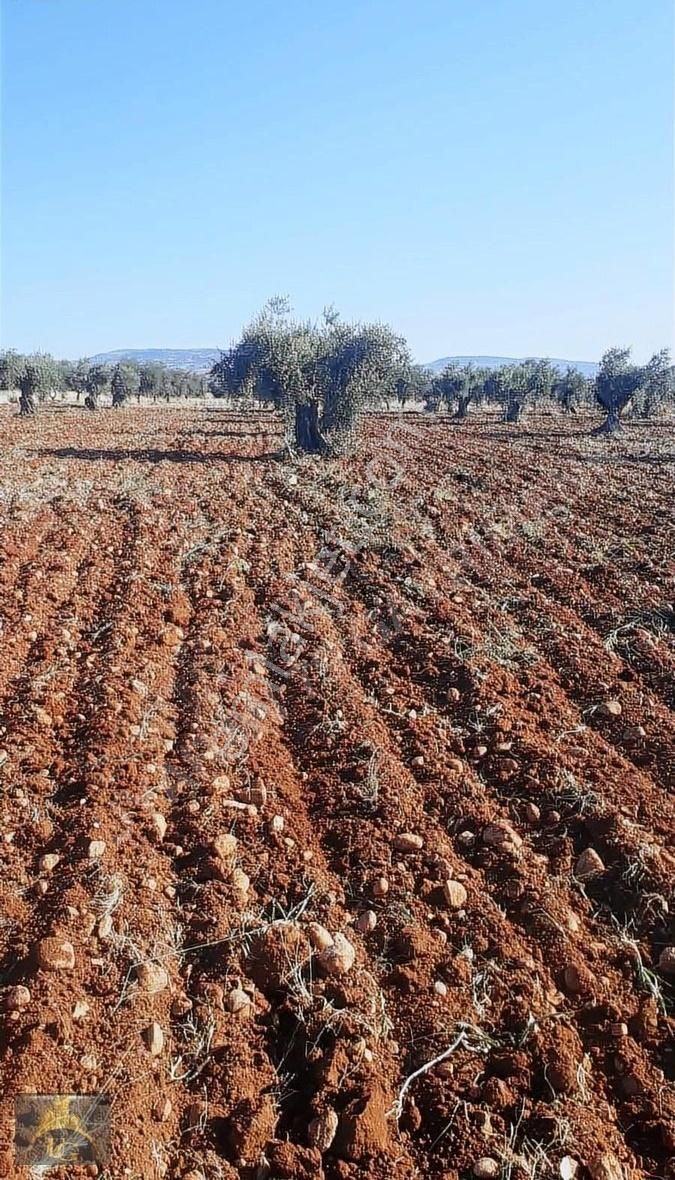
(336, 797)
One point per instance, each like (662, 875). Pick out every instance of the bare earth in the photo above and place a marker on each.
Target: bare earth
(318, 776)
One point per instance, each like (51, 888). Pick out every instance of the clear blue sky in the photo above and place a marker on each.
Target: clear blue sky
(489, 176)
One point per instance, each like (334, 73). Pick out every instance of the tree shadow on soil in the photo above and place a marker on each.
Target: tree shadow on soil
(155, 456)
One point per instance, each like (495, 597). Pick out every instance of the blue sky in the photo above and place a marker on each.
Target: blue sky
(489, 176)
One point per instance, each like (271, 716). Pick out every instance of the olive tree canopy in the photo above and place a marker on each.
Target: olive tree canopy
(320, 375)
(618, 381)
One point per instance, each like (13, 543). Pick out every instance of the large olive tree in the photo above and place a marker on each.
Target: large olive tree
(618, 381)
(319, 375)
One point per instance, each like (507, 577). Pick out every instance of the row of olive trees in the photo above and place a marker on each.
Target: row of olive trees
(619, 384)
(320, 375)
(38, 375)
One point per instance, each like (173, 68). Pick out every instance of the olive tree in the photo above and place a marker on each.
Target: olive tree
(97, 380)
(36, 378)
(571, 389)
(619, 381)
(11, 364)
(457, 386)
(523, 383)
(319, 375)
(123, 383)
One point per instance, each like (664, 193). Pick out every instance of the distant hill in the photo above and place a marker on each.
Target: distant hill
(200, 360)
(196, 360)
(588, 368)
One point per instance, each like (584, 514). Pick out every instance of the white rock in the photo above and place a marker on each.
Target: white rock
(321, 1131)
(588, 865)
(154, 1038)
(320, 938)
(339, 958)
(152, 978)
(455, 894)
(408, 842)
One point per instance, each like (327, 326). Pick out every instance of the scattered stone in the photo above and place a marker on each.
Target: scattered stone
(569, 1167)
(321, 1131)
(440, 988)
(238, 1001)
(589, 865)
(635, 733)
(105, 926)
(225, 846)
(15, 998)
(221, 783)
(610, 709)
(159, 824)
(380, 887)
(486, 1168)
(338, 958)
(154, 1038)
(501, 834)
(606, 1167)
(366, 922)
(277, 823)
(455, 765)
(455, 894)
(55, 954)
(531, 813)
(408, 842)
(80, 1009)
(162, 1109)
(320, 938)
(48, 862)
(241, 881)
(96, 849)
(152, 978)
(667, 960)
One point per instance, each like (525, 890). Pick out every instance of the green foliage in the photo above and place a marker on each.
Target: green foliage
(150, 378)
(332, 367)
(457, 386)
(11, 364)
(124, 383)
(571, 389)
(619, 381)
(37, 377)
(412, 385)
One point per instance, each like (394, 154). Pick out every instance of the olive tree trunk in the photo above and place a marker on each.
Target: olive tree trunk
(308, 436)
(27, 403)
(612, 422)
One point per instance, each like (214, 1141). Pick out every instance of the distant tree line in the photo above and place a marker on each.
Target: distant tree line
(39, 376)
(618, 385)
(321, 375)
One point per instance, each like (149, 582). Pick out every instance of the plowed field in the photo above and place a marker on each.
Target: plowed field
(336, 796)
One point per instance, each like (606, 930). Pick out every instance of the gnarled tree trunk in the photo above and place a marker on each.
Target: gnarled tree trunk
(513, 411)
(27, 404)
(463, 407)
(308, 436)
(612, 422)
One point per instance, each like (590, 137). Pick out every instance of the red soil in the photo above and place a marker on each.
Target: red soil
(422, 640)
